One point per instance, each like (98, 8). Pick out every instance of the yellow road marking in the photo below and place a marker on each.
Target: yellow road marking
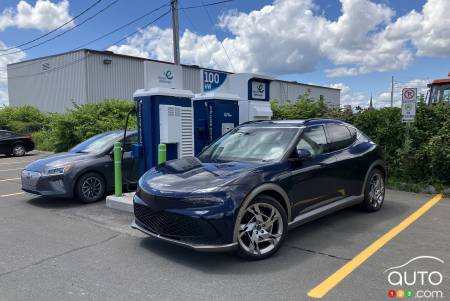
(12, 179)
(328, 284)
(11, 194)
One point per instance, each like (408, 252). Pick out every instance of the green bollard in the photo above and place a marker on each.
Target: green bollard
(118, 169)
(162, 153)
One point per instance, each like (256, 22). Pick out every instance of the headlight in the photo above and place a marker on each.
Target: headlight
(206, 201)
(57, 170)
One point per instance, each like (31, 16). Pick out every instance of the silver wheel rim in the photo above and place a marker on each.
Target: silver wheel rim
(19, 150)
(260, 229)
(376, 191)
(91, 188)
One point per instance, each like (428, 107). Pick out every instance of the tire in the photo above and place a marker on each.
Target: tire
(18, 150)
(90, 187)
(374, 191)
(270, 237)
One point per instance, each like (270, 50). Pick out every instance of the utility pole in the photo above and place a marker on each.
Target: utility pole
(176, 33)
(392, 92)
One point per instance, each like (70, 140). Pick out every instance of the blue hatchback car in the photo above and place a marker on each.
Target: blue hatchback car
(245, 190)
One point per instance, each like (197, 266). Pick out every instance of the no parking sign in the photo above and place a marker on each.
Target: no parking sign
(409, 100)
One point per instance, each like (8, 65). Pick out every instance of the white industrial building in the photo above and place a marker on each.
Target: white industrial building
(55, 82)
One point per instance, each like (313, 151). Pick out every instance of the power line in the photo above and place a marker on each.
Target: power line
(64, 32)
(122, 27)
(206, 4)
(139, 29)
(84, 58)
(100, 37)
(193, 26)
(55, 29)
(213, 27)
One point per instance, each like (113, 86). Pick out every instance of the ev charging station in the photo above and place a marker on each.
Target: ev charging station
(214, 115)
(186, 123)
(164, 116)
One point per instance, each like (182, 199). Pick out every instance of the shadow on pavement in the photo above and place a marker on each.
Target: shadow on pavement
(55, 203)
(344, 225)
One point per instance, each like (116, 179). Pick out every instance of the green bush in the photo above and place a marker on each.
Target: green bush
(60, 132)
(416, 153)
(25, 119)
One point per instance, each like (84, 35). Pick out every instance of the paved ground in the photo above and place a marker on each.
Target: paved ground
(62, 250)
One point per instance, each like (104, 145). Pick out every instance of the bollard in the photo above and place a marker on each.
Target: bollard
(118, 169)
(162, 153)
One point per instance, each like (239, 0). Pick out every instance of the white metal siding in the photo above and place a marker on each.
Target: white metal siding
(51, 84)
(191, 79)
(288, 92)
(119, 79)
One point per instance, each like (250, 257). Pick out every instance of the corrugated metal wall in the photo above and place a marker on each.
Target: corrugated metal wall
(288, 92)
(191, 79)
(50, 84)
(118, 79)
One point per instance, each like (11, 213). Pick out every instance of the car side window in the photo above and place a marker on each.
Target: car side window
(340, 137)
(314, 140)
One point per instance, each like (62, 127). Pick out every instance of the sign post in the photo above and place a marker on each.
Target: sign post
(409, 100)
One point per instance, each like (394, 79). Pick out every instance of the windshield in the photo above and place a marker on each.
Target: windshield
(440, 93)
(98, 143)
(250, 144)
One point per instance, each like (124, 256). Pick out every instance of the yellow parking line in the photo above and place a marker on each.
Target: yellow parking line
(328, 284)
(11, 194)
(12, 179)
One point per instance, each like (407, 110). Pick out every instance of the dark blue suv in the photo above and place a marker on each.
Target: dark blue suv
(246, 190)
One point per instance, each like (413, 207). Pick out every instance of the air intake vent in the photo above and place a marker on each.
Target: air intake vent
(187, 134)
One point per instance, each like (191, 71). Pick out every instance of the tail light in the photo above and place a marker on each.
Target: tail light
(28, 138)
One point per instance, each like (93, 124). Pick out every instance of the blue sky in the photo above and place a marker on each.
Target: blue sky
(356, 45)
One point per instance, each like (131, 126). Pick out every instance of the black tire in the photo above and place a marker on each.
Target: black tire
(90, 188)
(18, 150)
(265, 203)
(374, 196)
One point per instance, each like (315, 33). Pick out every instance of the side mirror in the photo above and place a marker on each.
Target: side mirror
(303, 154)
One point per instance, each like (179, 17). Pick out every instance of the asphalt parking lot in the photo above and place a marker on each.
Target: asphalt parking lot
(64, 250)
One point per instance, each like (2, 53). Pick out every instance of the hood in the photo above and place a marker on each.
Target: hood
(192, 176)
(56, 160)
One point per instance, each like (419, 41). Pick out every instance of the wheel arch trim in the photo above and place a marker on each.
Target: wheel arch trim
(254, 193)
(375, 164)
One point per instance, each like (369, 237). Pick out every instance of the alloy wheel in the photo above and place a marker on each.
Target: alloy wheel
(18, 150)
(376, 191)
(91, 188)
(260, 229)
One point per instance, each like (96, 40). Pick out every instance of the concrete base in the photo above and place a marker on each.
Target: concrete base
(123, 203)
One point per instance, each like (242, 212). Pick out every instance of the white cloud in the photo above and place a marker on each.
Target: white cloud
(291, 37)
(4, 61)
(384, 98)
(349, 97)
(428, 30)
(128, 50)
(44, 15)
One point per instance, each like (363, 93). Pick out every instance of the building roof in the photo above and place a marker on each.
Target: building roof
(110, 53)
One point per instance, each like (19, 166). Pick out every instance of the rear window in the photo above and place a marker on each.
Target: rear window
(340, 137)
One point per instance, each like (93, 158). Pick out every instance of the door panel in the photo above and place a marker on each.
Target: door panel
(313, 181)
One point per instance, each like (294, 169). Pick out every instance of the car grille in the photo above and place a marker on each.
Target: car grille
(174, 225)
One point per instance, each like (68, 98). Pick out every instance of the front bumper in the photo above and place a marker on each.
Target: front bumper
(197, 247)
(52, 186)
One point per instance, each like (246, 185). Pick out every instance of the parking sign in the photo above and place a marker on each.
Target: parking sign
(409, 100)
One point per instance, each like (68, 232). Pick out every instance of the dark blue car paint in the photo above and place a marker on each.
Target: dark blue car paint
(299, 186)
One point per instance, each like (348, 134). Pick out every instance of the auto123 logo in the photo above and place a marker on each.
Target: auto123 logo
(418, 278)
